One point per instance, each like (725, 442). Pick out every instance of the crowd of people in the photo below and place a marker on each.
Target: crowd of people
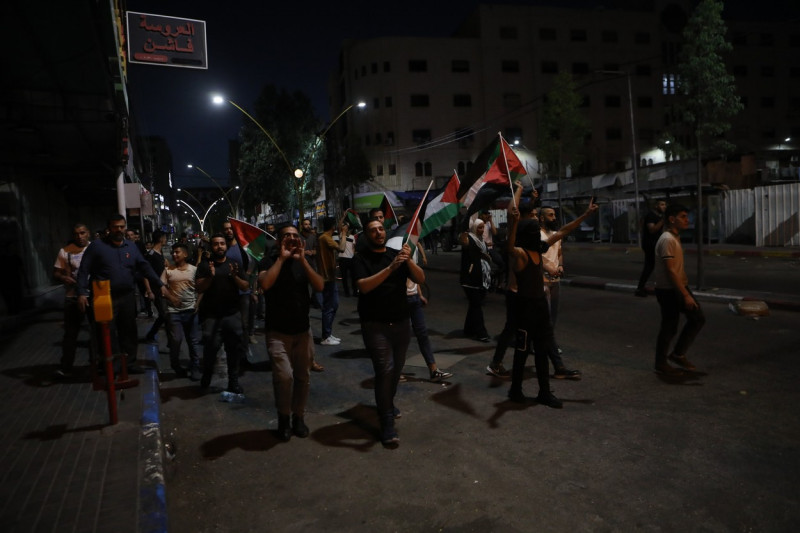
(211, 296)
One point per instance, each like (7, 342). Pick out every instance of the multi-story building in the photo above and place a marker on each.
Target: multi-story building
(434, 103)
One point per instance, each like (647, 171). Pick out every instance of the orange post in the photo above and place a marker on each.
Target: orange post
(103, 314)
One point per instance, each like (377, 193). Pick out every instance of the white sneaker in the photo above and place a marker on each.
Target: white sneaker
(330, 341)
(335, 338)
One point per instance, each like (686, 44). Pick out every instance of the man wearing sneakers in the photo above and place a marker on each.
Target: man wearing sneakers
(674, 296)
(326, 266)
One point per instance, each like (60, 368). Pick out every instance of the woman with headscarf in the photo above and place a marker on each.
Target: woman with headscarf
(475, 279)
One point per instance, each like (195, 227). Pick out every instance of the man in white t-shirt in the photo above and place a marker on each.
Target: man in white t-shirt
(65, 270)
(182, 316)
(674, 296)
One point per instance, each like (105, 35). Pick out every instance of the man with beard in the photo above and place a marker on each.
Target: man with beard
(534, 330)
(65, 270)
(220, 280)
(247, 299)
(553, 266)
(117, 260)
(381, 275)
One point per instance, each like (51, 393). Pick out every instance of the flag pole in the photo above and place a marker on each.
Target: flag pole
(416, 214)
(508, 172)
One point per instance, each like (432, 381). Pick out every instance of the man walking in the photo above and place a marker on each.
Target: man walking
(220, 281)
(246, 296)
(117, 260)
(182, 321)
(326, 266)
(284, 279)
(65, 270)
(381, 275)
(674, 296)
(155, 256)
(651, 231)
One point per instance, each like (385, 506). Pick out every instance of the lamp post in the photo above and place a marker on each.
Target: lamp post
(201, 220)
(634, 158)
(209, 176)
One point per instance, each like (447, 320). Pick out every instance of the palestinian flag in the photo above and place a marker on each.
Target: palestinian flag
(352, 219)
(401, 235)
(389, 218)
(252, 238)
(442, 208)
(490, 176)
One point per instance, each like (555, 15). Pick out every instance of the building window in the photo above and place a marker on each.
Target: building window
(417, 65)
(767, 102)
(392, 169)
(387, 66)
(577, 36)
(465, 137)
(643, 70)
(612, 100)
(461, 168)
(421, 136)
(462, 100)
(389, 138)
(641, 37)
(609, 36)
(420, 100)
(387, 101)
(740, 71)
(512, 100)
(767, 71)
(374, 68)
(418, 169)
(644, 102)
(509, 65)
(547, 34)
(460, 65)
(508, 32)
(376, 103)
(428, 168)
(580, 68)
(613, 134)
(549, 67)
(669, 83)
(379, 170)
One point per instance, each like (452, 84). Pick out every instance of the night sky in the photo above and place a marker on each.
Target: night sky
(293, 45)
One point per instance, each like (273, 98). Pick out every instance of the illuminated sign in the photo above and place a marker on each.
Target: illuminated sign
(167, 41)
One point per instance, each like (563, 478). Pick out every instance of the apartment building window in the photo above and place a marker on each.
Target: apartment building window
(580, 68)
(376, 103)
(389, 138)
(379, 170)
(767, 71)
(417, 65)
(641, 37)
(549, 67)
(512, 100)
(387, 66)
(613, 134)
(644, 102)
(766, 39)
(460, 65)
(508, 32)
(609, 36)
(577, 36)
(374, 68)
(740, 71)
(392, 169)
(418, 169)
(423, 169)
(669, 83)
(547, 34)
(509, 65)
(387, 101)
(428, 168)
(421, 136)
(612, 100)
(643, 70)
(462, 100)
(461, 168)
(767, 102)
(420, 100)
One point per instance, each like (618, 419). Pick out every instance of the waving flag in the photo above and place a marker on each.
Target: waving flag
(442, 208)
(353, 220)
(389, 218)
(490, 176)
(252, 238)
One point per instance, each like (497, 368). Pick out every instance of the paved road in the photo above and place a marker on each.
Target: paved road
(718, 452)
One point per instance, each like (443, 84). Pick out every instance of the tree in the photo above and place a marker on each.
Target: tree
(709, 98)
(267, 171)
(563, 129)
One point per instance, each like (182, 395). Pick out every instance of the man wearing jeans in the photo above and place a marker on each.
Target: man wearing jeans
(181, 310)
(674, 296)
(381, 275)
(326, 266)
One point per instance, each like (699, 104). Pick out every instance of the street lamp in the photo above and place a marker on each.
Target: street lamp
(209, 176)
(201, 220)
(633, 148)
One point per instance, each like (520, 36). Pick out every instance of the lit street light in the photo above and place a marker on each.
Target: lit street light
(201, 220)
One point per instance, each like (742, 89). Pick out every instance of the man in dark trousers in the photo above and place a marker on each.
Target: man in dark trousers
(381, 275)
(285, 277)
(220, 281)
(155, 256)
(118, 260)
(651, 230)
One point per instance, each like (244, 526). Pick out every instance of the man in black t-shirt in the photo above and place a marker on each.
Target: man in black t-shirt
(651, 230)
(284, 278)
(381, 275)
(219, 281)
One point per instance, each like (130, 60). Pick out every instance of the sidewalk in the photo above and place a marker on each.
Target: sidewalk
(65, 467)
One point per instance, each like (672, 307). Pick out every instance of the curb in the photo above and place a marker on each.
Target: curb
(152, 490)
